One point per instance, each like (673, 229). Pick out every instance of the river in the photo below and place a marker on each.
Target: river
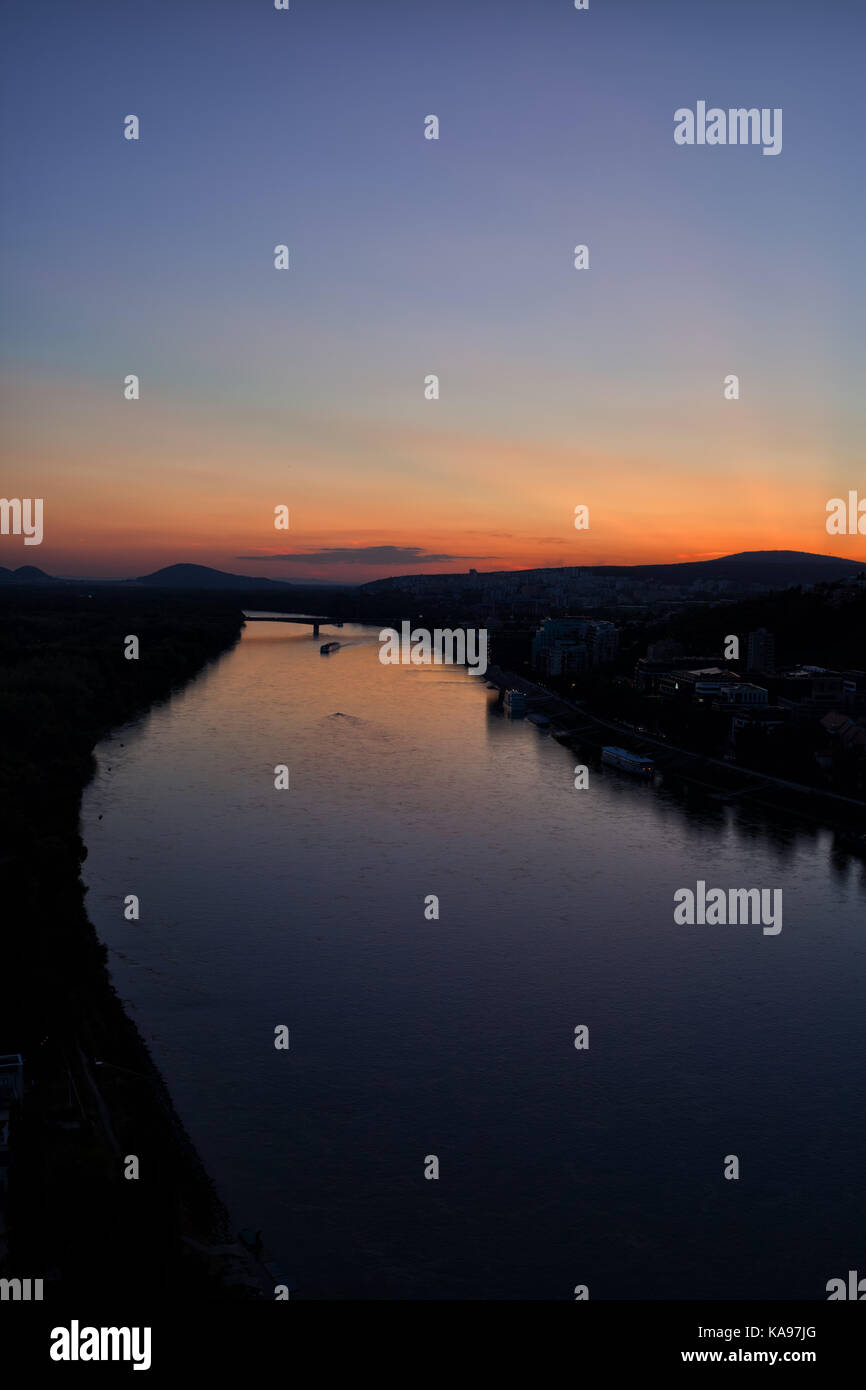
(409, 1038)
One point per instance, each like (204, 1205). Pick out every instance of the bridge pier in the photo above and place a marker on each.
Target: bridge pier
(315, 629)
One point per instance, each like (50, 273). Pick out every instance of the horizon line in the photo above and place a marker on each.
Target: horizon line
(267, 580)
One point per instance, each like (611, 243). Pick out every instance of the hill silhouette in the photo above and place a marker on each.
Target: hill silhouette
(776, 568)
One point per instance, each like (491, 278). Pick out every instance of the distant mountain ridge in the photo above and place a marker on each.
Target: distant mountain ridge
(776, 567)
(25, 574)
(203, 577)
(172, 577)
(779, 557)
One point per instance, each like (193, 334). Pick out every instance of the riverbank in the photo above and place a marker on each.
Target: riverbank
(92, 1097)
(575, 725)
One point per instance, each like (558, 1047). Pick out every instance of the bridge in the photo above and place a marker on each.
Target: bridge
(314, 618)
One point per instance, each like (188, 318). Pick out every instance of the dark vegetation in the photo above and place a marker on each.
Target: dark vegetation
(824, 626)
(73, 1218)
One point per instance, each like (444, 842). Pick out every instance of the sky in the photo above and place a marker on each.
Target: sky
(305, 387)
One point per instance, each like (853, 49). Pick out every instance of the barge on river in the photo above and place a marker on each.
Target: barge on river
(628, 762)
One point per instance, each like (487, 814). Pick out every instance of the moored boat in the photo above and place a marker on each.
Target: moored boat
(628, 762)
(515, 702)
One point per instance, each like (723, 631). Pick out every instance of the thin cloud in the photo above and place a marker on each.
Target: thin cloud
(367, 555)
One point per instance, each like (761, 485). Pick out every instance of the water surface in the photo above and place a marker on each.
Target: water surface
(454, 1037)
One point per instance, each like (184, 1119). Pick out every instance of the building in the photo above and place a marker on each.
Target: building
(808, 691)
(562, 645)
(563, 657)
(850, 735)
(765, 718)
(761, 651)
(11, 1092)
(11, 1077)
(650, 671)
(696, 687)
(854, 690)
(742, 693)
(604, 642)
(664, 650)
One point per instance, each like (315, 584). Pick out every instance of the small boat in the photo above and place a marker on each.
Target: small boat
(328, 647)
(541, 720)
(628, 762)
(515, 702)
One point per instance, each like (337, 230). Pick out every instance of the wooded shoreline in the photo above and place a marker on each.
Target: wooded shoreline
(92, 1094)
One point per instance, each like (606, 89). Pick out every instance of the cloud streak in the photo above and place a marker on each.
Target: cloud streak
(368, 555)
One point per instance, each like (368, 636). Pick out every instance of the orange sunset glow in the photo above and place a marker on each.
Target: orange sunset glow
(200, 485)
